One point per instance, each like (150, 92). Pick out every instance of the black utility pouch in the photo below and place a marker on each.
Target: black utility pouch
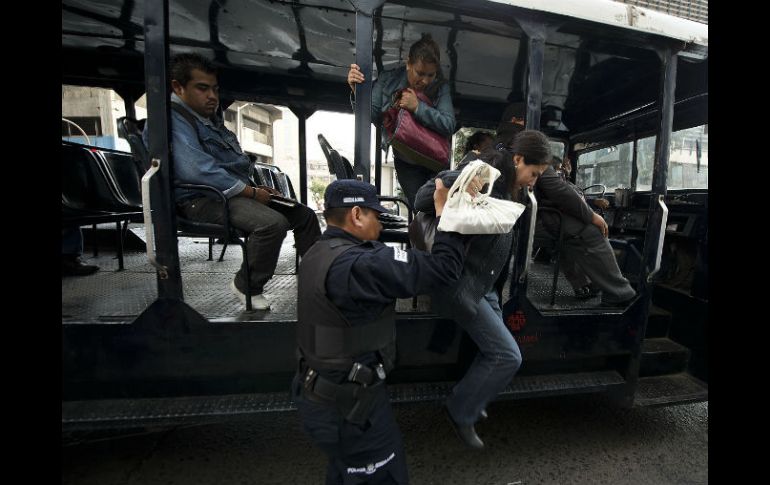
(360, 408)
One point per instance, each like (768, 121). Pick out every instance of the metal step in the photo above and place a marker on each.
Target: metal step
(663, 356)
(522, 387)
(116, 414)
(131, 413)
(671, 389)
(658, 322)
(560, 384)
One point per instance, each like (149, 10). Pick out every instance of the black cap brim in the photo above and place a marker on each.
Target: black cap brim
(378, 208)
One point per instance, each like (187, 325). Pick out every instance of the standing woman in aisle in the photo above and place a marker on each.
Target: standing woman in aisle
(399, 88)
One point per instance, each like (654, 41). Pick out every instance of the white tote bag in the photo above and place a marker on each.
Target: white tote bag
(480, 215)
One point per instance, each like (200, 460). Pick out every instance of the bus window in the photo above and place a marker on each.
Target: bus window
(610, 166)
(94, 111)
(557, 148)
(688, 160)
(645, 156)
(460, 140)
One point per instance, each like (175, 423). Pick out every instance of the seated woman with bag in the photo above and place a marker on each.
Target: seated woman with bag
(420, 89)
(474, 303)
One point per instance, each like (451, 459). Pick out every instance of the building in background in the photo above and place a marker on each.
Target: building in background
(95, 111)
(695, 10)
(253, 124)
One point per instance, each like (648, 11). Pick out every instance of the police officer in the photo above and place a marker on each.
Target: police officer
(348, 285)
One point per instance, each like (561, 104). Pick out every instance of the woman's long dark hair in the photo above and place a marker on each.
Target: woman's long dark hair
(532, 145)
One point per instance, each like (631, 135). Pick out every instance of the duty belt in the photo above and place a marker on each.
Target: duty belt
(354, 398)
(329, 390)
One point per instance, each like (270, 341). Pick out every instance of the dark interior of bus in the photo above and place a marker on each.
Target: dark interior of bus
(600, 88)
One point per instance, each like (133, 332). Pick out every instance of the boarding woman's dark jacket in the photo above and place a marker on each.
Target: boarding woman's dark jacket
(484, 260)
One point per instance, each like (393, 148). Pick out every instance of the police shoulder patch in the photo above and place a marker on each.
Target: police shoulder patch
(400, 255)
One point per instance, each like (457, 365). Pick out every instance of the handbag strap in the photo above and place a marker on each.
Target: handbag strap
(487, 173)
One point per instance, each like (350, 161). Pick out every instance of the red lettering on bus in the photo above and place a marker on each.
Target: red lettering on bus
(527, 339)
(516, 321)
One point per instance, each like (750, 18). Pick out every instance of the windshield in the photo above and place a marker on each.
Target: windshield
(688, 160)
(611, 166)
(557, 148)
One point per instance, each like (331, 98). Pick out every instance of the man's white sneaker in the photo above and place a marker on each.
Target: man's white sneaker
(258, 302)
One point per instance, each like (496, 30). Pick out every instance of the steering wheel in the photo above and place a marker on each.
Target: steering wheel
(604, 189)
(601, 195)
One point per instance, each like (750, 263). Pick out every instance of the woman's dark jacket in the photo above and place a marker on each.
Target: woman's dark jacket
(485, 259)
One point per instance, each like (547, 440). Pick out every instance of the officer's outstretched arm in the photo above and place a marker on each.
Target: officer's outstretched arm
(439, 197)
(396, 273)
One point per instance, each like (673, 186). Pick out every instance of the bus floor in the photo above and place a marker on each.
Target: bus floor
(540, 284)
(112, 296)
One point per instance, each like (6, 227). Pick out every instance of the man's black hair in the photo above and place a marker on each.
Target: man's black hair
(506, 131)
(474, 141)
(182, 66)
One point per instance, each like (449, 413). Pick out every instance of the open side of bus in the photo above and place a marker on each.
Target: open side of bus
(165, 344)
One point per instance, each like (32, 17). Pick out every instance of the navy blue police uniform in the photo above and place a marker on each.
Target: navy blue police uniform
(346, 339)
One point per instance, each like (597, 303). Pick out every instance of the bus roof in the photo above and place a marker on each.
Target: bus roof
(599, 62)
(621, 15)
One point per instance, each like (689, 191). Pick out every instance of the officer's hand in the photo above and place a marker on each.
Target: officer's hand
(475, 186)
(601, 203)
(355, 76)
(439, 197)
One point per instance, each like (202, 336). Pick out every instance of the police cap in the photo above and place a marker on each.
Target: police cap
(351, 192)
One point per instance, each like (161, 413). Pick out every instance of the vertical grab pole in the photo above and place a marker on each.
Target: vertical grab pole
(536, 32)
(653, 241)
(156, 79)
(363, 111)
(302, 115)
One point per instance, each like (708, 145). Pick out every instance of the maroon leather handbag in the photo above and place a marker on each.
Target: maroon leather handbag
(414, 142)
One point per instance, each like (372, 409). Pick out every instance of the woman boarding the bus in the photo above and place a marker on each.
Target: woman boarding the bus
(474, 303)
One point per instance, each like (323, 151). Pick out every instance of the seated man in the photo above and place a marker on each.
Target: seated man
(209, 154)
(586, 256)
(512, 122)
(564, 169)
